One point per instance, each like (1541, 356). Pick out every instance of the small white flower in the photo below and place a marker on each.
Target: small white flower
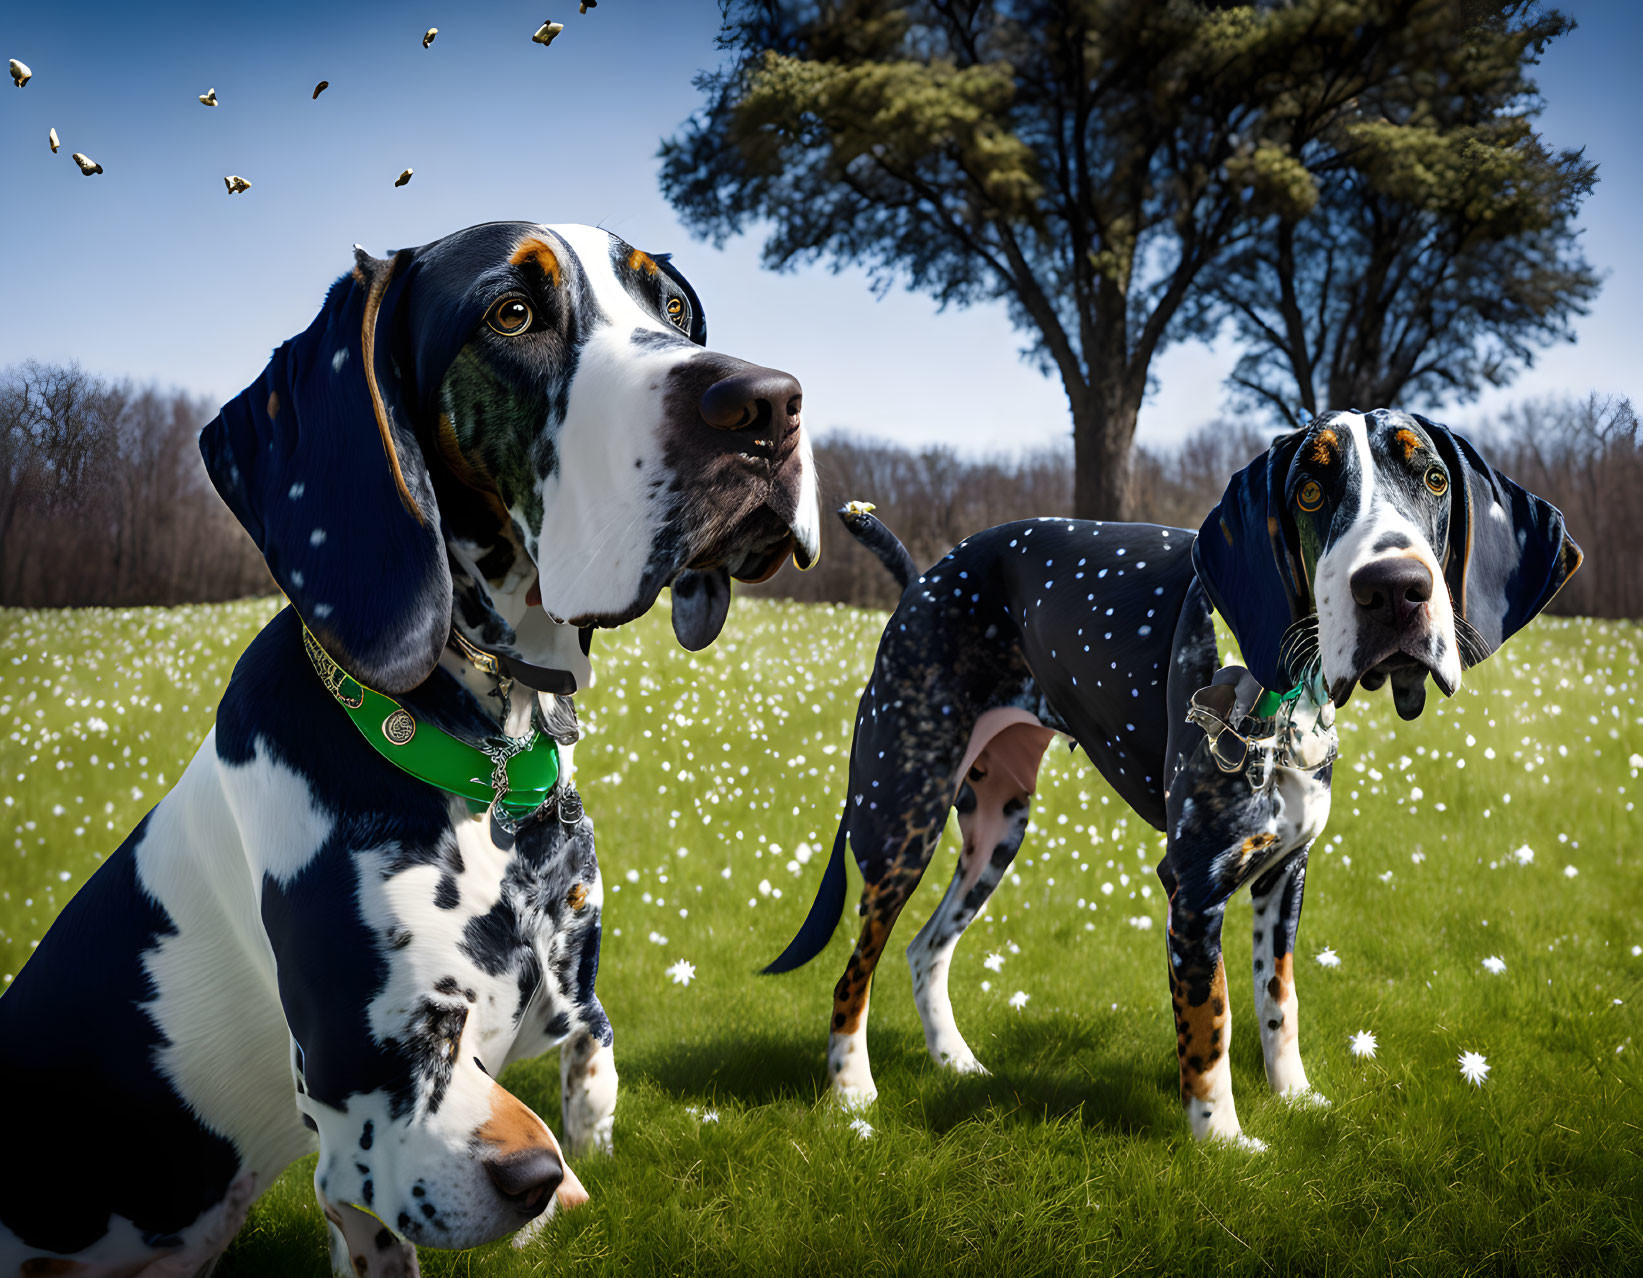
(1363, 1044)
(1569, 871)
(1473, 1068)
(862, 1128)
(710, 1116)
(985, 986)
(1525, 855)
(1019, 999)
(656, 938)
(1328, 958)
(1495, 964)
(994, 962)
(683, 972)
(1141, 922)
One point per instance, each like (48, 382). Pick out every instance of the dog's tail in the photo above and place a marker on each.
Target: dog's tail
(865, 527)
(825, 911)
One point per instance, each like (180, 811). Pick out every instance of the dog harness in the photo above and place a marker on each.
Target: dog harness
(1256, 734)
(514, 776)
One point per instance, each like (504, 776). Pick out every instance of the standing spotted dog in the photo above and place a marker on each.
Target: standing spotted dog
(1367, 548)
(374, 887)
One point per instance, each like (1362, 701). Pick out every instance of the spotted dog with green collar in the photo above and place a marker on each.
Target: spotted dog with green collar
(374, 886)
(1367, 548)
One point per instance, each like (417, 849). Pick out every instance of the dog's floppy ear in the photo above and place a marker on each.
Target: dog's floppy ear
(319, 460)
(1508, 552)
(1245, 558)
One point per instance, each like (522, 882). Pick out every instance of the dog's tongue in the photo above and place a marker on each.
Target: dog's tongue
(701, 602)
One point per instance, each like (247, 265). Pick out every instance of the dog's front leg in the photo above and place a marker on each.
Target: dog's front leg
(1203, 1021)
(363, 1247)
(587, 1080)
(1276, 896)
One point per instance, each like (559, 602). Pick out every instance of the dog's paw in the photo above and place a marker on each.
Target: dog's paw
(1304, 1098)
(961, 1061)
(854, 1099)
(1239, 1140)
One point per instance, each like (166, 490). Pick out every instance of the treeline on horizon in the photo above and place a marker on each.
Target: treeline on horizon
(104, 500)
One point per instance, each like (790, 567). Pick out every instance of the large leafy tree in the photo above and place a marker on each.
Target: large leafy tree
(1086, 161)
(1441, 251)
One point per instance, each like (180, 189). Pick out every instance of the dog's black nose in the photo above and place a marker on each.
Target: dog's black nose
(1392, 589)
(753, 397)
(528, 1178)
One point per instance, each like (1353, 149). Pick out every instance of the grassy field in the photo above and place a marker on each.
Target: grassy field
(1499, 827)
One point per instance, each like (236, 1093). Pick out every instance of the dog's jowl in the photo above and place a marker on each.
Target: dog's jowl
(1368, 548)
(375, 886)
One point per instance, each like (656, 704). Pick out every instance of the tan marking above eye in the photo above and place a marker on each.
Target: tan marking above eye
(1410, 442)
(534, 250)
(577, 897)
(510, 317)
(639, 260)
(1311, 495)
(1437, 481)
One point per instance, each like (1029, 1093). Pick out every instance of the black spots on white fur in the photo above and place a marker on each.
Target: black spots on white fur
(447, 896)
(367, 1134)
(431, 1042)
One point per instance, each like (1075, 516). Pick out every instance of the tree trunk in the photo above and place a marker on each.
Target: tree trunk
(1103, 433)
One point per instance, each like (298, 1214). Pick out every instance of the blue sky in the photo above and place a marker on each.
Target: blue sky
(151, 270)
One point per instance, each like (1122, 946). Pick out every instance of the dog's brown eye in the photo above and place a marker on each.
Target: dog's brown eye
(1311, 495)
(510, 317)
(1437, 481)
(676, 313)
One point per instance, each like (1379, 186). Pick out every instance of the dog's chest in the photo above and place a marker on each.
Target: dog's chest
(1302, 807)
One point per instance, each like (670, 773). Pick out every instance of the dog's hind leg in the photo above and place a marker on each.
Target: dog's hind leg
(1276, 896)
(890, 882)
(993, 808)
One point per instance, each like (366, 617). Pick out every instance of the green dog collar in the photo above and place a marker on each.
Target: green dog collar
(1269, 702)
(517, 776)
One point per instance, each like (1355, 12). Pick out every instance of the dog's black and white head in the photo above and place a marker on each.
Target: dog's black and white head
(518, 422)
(1378, 546)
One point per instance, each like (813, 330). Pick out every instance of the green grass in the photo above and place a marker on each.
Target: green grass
(714, 778)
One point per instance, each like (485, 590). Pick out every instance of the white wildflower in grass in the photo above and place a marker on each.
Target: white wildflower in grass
(1141, 922)
(862, 1128)
(710, 1116)
(1018, 1000)
(1569, 871)
(1637, 951)
(1328, 958)
(683, 972)
(994, 962)
(1473, 1068)
(656, 938)
(1525, 855)
(1494, 964)
(1363, 1044)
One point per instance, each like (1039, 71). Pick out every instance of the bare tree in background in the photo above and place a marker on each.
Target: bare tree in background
(104, 500)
